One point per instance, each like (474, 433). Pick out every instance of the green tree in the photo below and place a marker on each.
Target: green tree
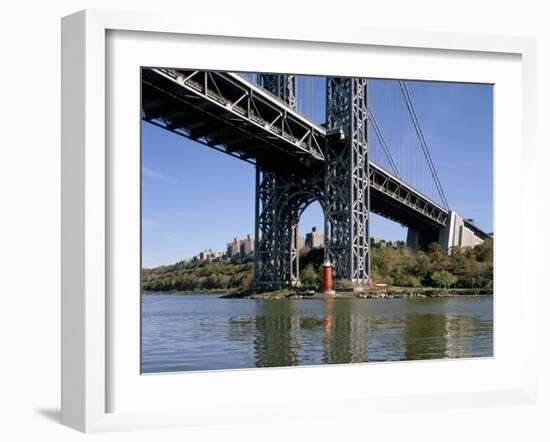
(443, 279)
(246, 281)
(309, 277)
(413, 281)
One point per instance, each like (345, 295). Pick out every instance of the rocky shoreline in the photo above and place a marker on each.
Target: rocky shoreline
(371, 293)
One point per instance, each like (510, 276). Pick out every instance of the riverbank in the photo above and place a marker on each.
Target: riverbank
(423, 292)
(370, 293)
(213, 292)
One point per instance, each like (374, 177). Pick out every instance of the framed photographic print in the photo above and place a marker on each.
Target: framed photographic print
(285, 216)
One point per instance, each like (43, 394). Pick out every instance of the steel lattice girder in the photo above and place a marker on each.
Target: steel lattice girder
(276, 250)
(282, 86)
(347, 181)
(248, 119)
(265, 227)
(276, 258)
(298, 192)
(419, 207)
(280, 200)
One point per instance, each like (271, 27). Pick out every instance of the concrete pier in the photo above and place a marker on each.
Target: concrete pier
(456, 232)
(460, 232)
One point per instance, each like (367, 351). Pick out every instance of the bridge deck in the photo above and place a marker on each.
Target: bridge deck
(223, 109)
(227, 112)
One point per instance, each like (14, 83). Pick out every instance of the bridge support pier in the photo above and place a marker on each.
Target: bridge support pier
(413, 239)
(456, 232)
(459, 232)
(276, 254)
(265, 228)
(419, 238)
(347, 199)
(342, 188)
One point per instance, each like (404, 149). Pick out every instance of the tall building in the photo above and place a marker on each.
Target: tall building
(208, 255)
(248, 245)
(315, 239)
(377, 243)
(240, 248)
(234, 248)
(300, 242)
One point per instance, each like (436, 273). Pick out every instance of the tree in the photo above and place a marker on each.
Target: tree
(413, 281)
(422, 266)
(484, 251)
(310, 277)
(443, 279)
(439, 258)
(246, 281)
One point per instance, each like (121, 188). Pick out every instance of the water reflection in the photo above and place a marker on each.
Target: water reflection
(277, 334)
(349, 330)
(180, 333)
(346, 333)
(424, 336)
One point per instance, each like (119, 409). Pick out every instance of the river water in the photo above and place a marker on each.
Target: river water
(205, 332)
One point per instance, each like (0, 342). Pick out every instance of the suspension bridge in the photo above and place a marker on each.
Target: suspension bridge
(298, 162)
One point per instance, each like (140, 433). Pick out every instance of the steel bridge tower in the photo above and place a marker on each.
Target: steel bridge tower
(347, 199)
(340, 186)
(277, 212)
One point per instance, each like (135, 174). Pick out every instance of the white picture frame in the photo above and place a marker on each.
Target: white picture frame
(89, 320)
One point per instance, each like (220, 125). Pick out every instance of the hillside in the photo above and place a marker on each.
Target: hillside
(462, 268)
(197, 276)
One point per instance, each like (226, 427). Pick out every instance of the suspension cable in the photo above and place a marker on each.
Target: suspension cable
(382, 141)
(420, 134)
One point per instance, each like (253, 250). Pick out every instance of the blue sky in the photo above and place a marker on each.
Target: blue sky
(194, 197)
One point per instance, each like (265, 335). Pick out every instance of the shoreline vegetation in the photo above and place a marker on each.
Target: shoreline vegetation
(395, 272)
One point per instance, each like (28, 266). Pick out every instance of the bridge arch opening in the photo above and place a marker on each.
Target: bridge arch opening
(311, 243)
(311, 237)
(295, 206)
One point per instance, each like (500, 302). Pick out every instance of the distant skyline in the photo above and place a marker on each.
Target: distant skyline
(196, 198)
